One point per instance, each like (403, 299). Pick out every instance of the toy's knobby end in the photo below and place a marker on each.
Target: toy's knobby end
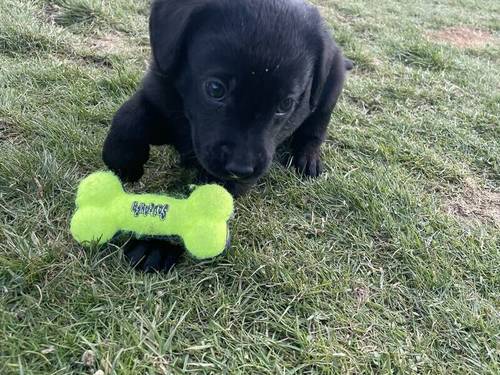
(92, 222)
(207, 243)
(211, 206)
(98, 189)
(92, 225)
(212, 201)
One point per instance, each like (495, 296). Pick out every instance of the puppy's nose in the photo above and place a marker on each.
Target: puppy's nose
(237, 170)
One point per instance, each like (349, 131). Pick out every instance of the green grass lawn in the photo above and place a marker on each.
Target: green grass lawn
(388, 263)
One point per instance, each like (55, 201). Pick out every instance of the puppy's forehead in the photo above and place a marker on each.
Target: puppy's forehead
(256, 37)
(220, 54)
(217, 49)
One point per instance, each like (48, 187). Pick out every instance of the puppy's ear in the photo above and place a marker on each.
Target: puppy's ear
(325, 52)
(169, 26)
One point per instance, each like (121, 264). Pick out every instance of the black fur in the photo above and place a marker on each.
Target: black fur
(282, 75)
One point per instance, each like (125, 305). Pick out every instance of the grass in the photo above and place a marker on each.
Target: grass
(365, 270)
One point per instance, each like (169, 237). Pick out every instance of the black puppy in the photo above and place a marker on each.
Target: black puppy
(229, 81)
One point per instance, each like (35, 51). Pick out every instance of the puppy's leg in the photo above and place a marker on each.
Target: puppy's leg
(126, 148)
(307, 140)
(136, 125)
(306, 144)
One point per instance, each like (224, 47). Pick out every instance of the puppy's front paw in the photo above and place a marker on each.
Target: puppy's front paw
(308, 163)
(129, 173)
(123, 167)
(126, 159)
(153, 255)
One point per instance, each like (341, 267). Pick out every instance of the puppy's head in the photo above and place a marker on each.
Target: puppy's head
(248, 72)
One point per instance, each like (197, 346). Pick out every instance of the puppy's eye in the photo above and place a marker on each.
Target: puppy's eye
(285, 106)
(215, 89)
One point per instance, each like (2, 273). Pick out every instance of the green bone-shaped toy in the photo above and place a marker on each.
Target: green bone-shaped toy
(104, 209)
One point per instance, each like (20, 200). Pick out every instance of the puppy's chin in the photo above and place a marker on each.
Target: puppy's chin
(225, 178)
(214, 167)
(213, 174)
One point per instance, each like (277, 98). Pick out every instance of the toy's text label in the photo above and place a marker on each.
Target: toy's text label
(150, 209)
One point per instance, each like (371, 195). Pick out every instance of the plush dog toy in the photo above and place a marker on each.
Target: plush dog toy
(104, 209)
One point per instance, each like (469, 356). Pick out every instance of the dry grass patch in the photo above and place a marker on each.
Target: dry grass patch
(463, 37)
(50, 12)
(112, 43)
(8, 133)
(475, 204)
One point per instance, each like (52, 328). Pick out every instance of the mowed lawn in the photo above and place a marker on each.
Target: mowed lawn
(388, 263)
